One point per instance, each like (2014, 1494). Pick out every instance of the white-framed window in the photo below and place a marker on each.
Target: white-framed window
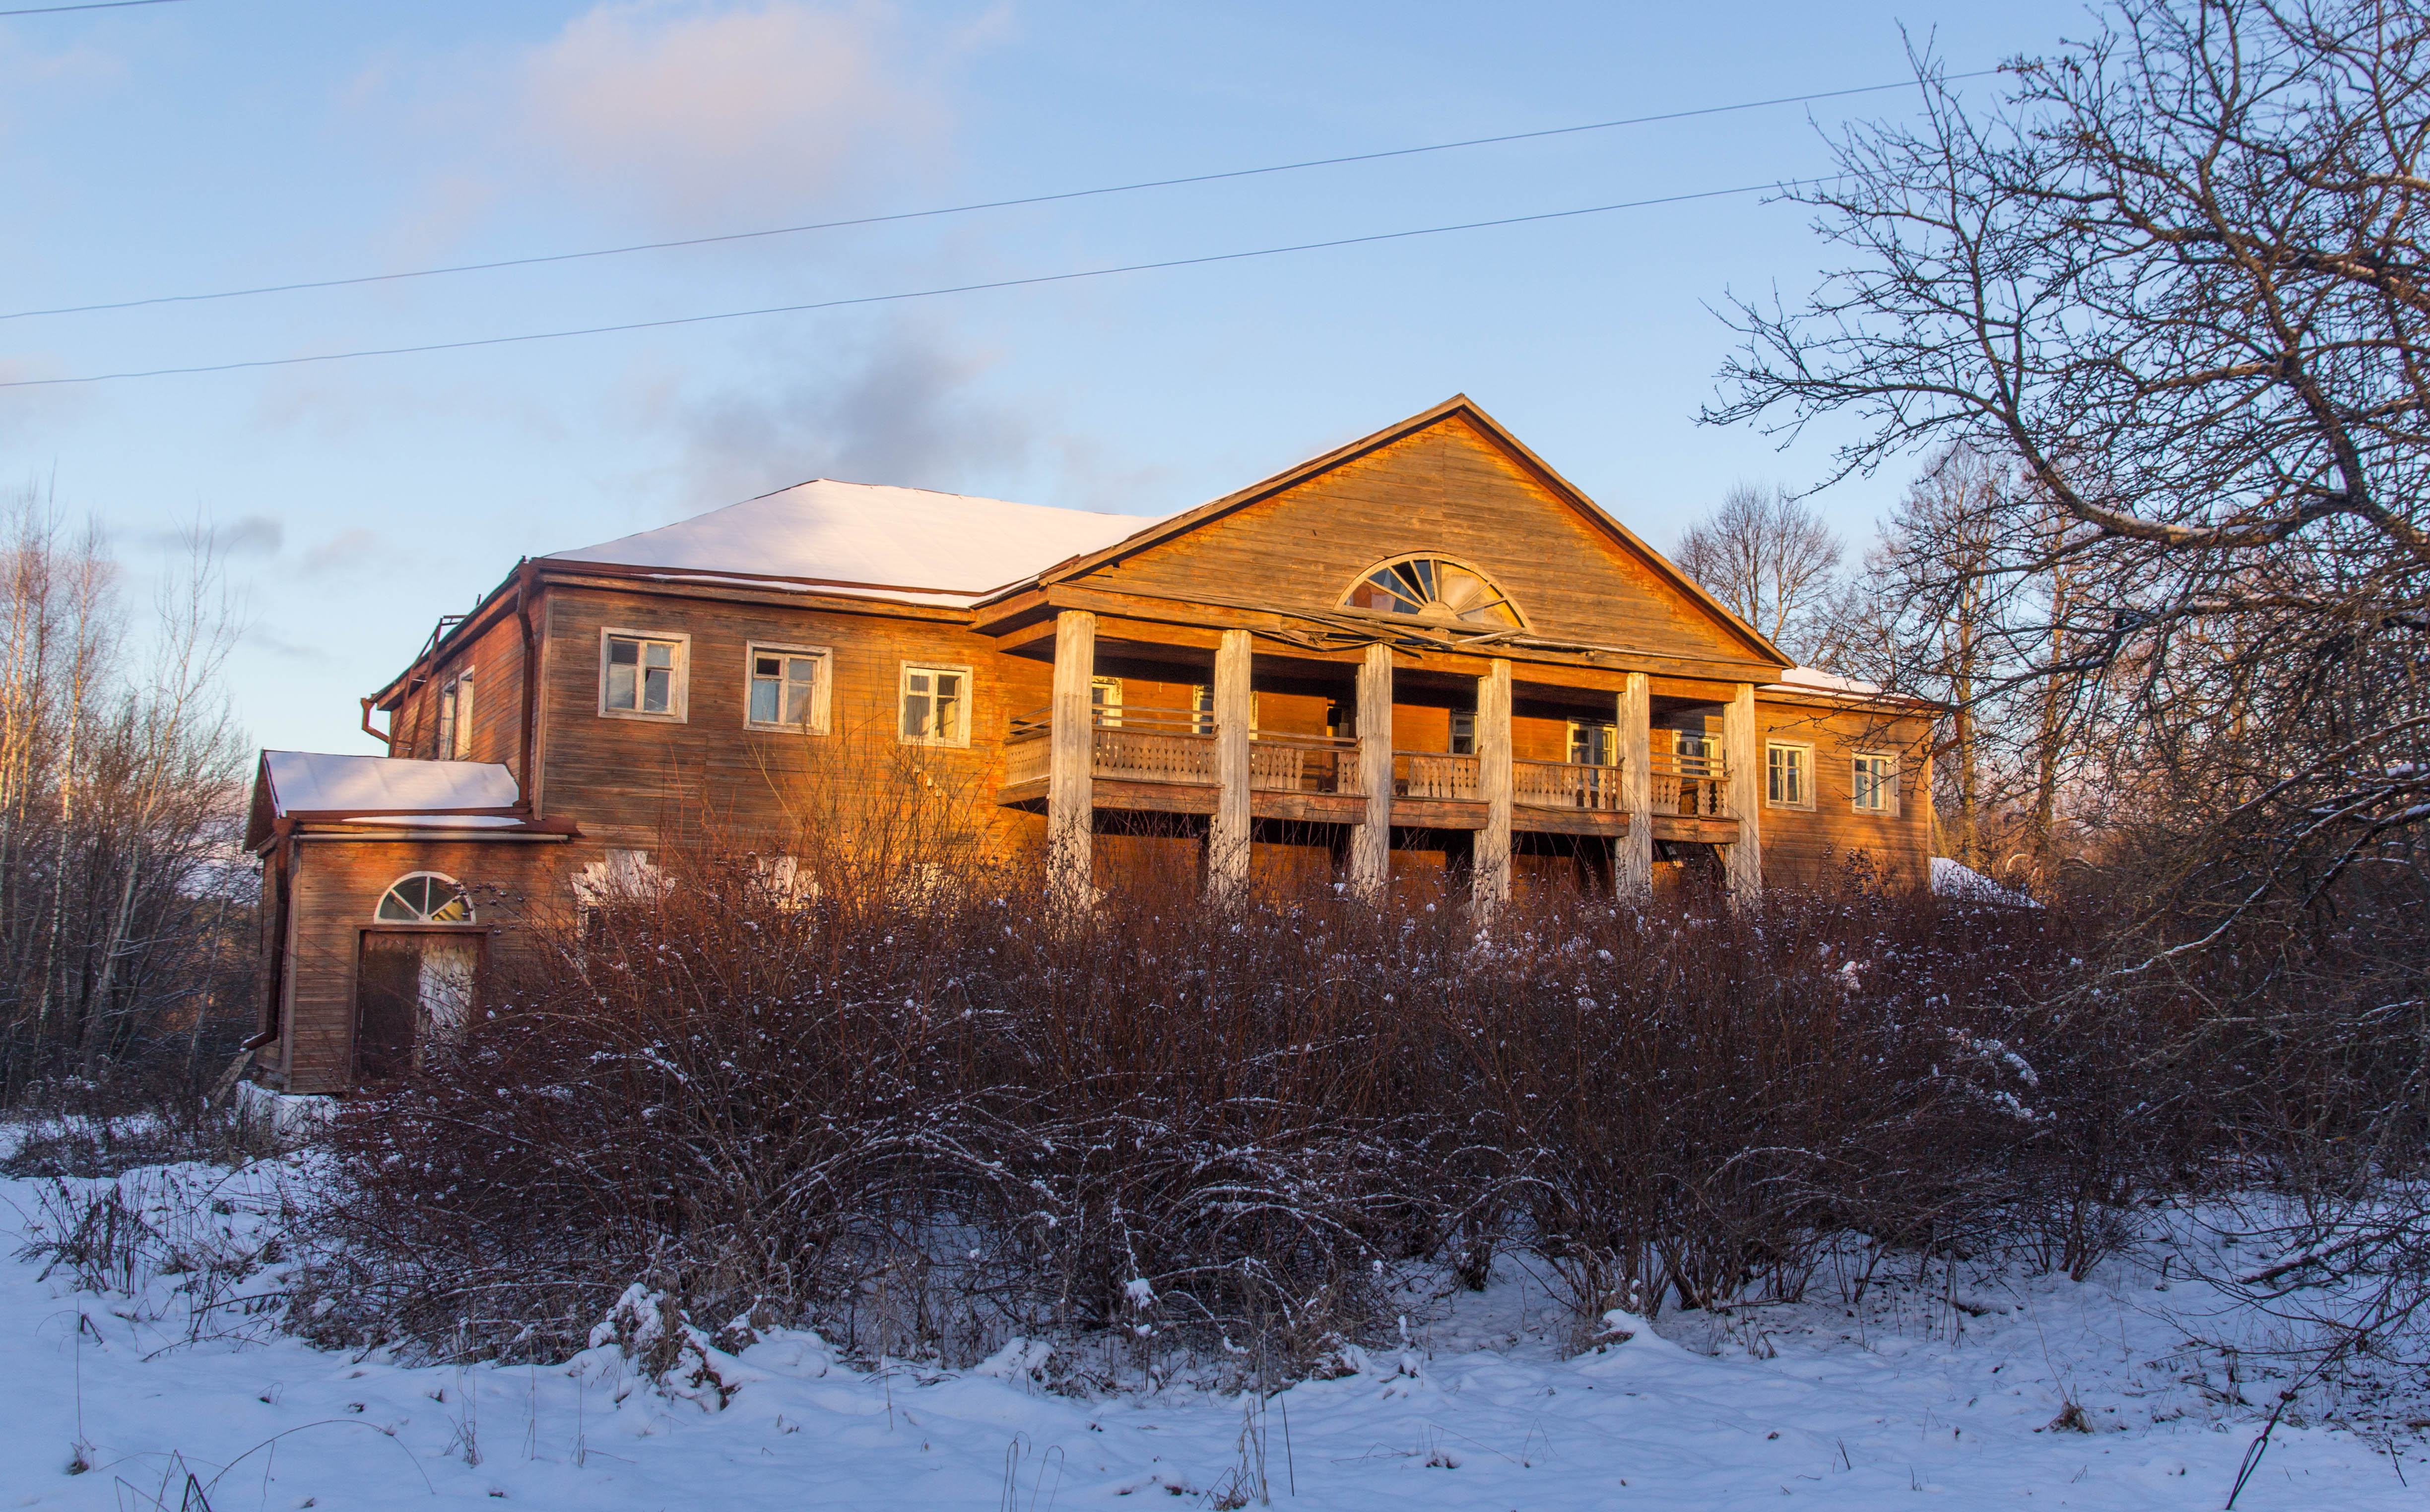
(622, 876)
(1594, 743)
(642, 674)
(455, 718)
(1105, 700)
(424, 898)
(787, 688)
(1873, 783)
(936, 705)
(1789, 776)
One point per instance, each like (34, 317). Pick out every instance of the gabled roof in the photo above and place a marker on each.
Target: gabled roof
(865, 540)
(314, 785)
(1460, 405)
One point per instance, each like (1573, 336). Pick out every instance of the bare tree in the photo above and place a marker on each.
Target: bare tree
(2177, 279)
(1772, 559)
(119, 792)
(2177, 275)
(1931, 613)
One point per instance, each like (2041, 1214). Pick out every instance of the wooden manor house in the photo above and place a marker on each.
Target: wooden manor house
(1422, 660)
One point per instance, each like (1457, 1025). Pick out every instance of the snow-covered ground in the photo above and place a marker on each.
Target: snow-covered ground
(1825, 1403)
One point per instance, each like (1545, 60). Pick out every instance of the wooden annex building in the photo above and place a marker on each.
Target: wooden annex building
(1421, 661)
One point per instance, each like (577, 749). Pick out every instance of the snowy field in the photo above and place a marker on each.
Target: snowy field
(1820, 1404)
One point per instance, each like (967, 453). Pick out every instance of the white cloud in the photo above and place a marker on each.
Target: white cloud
(909, 409)
(907, 401)
(694, 109)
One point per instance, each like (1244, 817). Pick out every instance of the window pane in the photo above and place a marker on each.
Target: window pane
(800, 688)
(766, 666)
(949, 707)
(915, 716)
(763, 700)
(657, 653)
(1463, 734)
(1873, 783)
(623, 653)
(620, 684)
(1390, 591)
(657, 689)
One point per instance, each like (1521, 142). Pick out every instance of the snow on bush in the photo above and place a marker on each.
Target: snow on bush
(927, 1120)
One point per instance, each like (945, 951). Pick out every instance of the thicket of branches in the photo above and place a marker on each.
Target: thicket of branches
(2159, 315)
(2154, 322)
(125, 908)
(925, 1110)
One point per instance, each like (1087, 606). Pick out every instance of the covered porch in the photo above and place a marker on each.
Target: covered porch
(1379, 741)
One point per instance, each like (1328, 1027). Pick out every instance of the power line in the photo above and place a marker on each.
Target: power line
(960, 209)
(915, 294)
(90, 5)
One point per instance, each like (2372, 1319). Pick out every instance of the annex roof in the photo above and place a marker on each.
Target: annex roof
(311, 785)
(1827, 684)
(866, 540)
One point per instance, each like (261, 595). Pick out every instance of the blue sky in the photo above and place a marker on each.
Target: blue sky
(209, 144)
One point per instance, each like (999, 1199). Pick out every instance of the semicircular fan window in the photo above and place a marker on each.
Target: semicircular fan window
(426, 898)
(1434, 589)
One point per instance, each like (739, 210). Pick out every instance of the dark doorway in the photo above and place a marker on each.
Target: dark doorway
(412, 988)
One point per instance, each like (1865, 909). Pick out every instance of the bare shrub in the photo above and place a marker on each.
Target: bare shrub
(145, 1112)
(929, 1117)
(918, 1105)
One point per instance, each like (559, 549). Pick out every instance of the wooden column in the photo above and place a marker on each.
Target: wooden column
(1227, 832)
(1070, 797)
(1632, 855)
(1493, 778)
(1370, 842)
(1742, 757)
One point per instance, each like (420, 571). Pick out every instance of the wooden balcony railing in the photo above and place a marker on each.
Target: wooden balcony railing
(1565, 785)
(1026, 756)
(1303, 763)
(1138, 744)
(1695, 785)
(1141, 744)
(1434, 774)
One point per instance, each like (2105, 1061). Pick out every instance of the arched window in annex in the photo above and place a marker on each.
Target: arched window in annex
(1434, 590)
(426, 898)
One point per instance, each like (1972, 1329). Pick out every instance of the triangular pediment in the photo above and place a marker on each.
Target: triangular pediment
(1449, 483)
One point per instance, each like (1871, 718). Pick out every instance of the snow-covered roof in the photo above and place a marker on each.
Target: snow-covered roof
(312, 782)
(1829, 684)
(863, 538)
(439, 821)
